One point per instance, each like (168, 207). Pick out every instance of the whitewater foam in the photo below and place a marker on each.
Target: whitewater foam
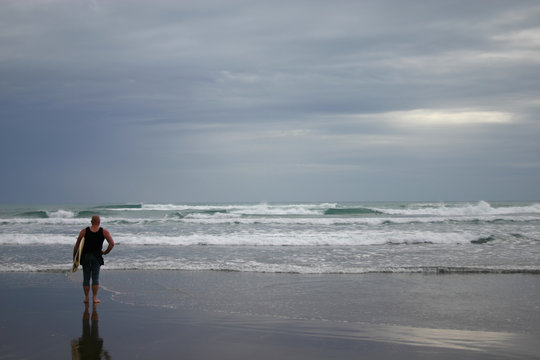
(482, 208)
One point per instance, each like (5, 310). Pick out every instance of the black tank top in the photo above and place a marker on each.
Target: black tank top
(93, 241)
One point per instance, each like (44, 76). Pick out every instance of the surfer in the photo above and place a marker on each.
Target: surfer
(92, 255)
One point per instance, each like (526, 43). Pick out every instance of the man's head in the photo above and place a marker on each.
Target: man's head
(96, 220)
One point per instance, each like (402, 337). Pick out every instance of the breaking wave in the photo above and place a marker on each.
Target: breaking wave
(351, 211)
(462, 209)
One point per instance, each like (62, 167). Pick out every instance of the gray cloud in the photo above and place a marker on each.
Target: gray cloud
(288, 100)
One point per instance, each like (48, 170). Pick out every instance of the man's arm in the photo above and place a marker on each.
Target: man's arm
(110, 240)
(76, 247)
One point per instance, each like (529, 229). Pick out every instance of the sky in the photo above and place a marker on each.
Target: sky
(269, 101)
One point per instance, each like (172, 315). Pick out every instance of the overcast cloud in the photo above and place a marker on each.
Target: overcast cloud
(181, 101)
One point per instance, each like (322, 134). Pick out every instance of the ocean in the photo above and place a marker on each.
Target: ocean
(304, 238)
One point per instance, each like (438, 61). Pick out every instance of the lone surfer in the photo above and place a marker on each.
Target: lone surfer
(92, 255)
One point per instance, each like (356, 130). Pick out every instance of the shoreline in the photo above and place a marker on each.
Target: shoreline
(43, 317)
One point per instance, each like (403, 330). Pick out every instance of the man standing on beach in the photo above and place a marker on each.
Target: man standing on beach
(92, 255)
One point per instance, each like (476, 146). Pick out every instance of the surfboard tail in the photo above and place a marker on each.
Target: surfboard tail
(77, 257)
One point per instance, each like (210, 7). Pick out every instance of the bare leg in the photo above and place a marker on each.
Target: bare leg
(86, 294)
(95, 289)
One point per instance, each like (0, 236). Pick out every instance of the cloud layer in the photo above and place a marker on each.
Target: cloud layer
(172, 101)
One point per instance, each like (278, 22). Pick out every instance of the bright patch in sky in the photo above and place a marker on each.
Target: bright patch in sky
(441, 117)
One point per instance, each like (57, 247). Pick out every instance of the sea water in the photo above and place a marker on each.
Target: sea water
(305, 238)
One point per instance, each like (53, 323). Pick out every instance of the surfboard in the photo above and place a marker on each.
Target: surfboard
(77, 257)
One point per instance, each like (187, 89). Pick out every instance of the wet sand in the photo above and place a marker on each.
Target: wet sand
(143, 316)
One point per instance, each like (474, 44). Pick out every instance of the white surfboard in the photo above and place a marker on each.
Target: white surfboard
(77, 257)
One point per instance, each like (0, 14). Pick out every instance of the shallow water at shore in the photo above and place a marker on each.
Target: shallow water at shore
(465, 302)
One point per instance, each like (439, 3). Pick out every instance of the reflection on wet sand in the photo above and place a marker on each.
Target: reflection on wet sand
(445, 338)
(473, 341)
(89, 345)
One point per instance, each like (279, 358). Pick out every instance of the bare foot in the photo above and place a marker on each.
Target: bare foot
(86, 301)
(96, 301)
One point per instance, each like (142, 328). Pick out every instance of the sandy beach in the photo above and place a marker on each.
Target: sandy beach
(211, 315)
